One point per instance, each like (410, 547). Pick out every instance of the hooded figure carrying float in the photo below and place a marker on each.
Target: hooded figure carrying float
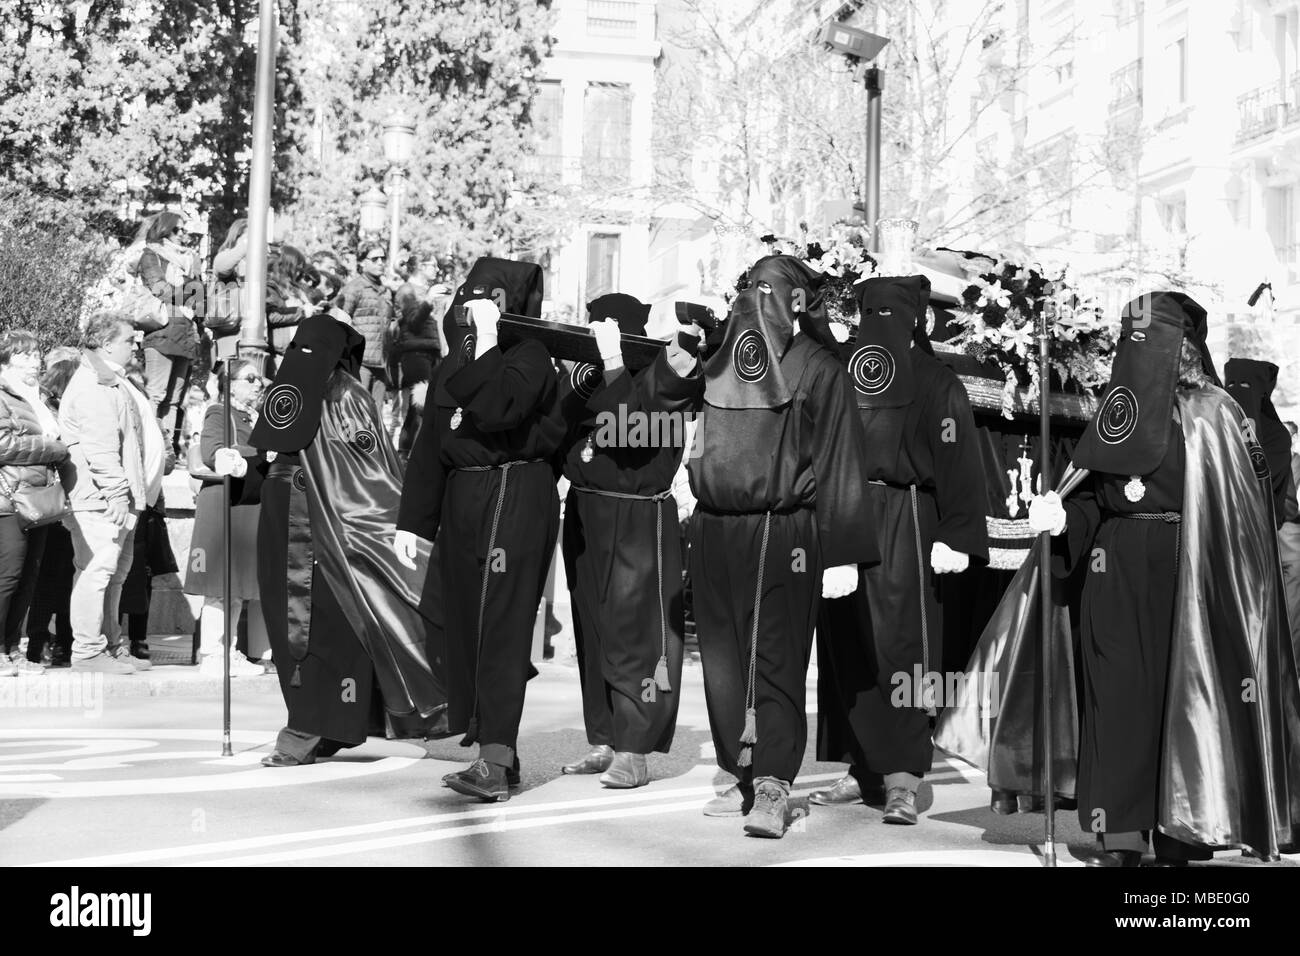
(926, 496)
(481, 473)
(782, 519)
(622, 546)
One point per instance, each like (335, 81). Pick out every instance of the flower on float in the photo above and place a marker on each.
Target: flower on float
(993, 292)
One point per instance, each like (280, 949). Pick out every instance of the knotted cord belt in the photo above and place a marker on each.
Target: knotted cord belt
(1168, 517)
(471, 733)
(660, 677)
(749, 735)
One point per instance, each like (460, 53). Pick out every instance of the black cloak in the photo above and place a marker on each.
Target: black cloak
(318, 409)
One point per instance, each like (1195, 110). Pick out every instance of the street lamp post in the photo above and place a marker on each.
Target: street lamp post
(871, 181)
(374, 211)
(861, 48)
(399, 146)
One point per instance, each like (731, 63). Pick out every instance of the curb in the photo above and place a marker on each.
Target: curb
(42, 690)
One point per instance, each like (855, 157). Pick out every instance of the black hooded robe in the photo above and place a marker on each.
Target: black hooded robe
(486, 488)
(342, 615)
(779, 487)
(623, 549)
(927, 485)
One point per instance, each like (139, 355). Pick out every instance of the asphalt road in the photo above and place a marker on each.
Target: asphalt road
(133, 775)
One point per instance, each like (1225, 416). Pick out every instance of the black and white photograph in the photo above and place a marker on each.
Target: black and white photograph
(651, 433)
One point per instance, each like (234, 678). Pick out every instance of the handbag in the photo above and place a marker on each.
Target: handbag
(37, 505)
(223, 308)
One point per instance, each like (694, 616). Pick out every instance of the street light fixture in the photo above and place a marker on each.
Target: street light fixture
(399, 147)
(861, 48)
(374, 211)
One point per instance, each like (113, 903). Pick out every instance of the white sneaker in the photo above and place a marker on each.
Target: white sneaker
(211, 665)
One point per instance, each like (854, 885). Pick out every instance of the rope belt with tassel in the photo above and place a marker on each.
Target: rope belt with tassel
(661, 669)
(471, 733)
(749, 736)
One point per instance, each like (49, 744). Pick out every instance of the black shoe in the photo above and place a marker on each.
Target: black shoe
(481, 779)
(1115, 858)
(846, 790)
(327, 748)
(1166, 862)
(1004, 802)
(282, 759)
(140, 650)
(901, 808)
(596, 761)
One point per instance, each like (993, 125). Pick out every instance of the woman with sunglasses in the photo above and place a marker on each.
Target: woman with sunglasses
(204, 572)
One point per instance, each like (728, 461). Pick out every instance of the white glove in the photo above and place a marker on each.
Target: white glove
(485, 316)
(228, 461)
(1046, 513)
(404, 546)
(945, 560)
(839, 582)
(609, 342)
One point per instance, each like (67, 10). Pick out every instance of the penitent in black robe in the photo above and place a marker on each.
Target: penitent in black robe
(486, 488)
(877, 645)
(342, 614)
(623, 549)
(1127, 625)
(790, 478)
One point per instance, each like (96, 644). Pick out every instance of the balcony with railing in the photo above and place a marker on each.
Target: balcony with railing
(1262, 111)
(1126, 87)
(612, 18)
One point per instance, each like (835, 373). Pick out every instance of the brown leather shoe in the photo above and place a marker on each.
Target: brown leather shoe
(627, 772)
(842, 791)
(1113, 858)
(901, 806)
(597, 761)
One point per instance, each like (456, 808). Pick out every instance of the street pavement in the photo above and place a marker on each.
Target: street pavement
(130, 772)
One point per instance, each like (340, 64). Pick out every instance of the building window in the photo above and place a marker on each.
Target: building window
(607, 134)
(602, 264)
(548, 119)
(1176, 71)
(1280, 221)
(1173, 217)
(608, 18)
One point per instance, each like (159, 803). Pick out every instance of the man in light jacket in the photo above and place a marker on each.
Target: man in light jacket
(117, 457)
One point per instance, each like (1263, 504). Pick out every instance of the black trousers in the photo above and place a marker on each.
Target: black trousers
(52, 595)
(20, 562)
(488, 665)
(615, 569)
(875, 648)
(725, 570)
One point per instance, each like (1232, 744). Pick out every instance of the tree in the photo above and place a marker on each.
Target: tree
(467, 71)
(757, 125)
(116, 104)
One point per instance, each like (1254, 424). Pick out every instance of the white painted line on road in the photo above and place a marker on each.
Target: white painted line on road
(1026, 857)
(486, 811)
(432, 836)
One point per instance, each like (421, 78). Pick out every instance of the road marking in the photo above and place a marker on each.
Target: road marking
(973, 857)
(617, 801)
(70, 752)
